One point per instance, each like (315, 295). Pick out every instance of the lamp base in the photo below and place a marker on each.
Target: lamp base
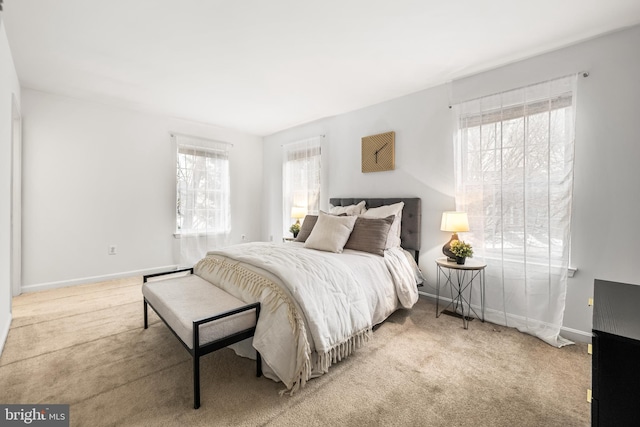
(446, 249)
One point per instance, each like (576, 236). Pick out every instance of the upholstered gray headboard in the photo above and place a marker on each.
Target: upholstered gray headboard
(411, 216)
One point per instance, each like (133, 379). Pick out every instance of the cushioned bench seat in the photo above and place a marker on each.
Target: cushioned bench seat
(185, 299)
(198, 312)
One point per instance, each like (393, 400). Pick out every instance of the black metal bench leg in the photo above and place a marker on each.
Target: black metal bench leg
(196, 382)
(196, 365)
(258, 357)
(146, 309)
(259, 363)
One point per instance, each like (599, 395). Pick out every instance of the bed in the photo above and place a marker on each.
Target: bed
(321, 295)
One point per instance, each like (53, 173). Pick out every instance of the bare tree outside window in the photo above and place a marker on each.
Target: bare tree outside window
(515, 158)
(202, 193)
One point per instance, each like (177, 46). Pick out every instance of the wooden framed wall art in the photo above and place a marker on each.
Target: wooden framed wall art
(378, 152)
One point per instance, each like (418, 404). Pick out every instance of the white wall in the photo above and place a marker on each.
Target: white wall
(96, 175)
(605, 234)
(424, 162)
(9, 86)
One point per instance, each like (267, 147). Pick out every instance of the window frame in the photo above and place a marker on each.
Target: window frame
(200, 152)
(522, 112)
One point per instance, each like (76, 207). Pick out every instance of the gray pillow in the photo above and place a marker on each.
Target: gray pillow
(306, 227)
(370, 235)
(393, 239)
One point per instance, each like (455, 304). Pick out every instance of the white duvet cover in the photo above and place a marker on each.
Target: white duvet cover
(316, 307)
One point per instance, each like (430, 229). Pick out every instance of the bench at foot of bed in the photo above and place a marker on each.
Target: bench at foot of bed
(202, 316)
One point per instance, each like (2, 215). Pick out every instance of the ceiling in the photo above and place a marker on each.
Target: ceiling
(262, 66)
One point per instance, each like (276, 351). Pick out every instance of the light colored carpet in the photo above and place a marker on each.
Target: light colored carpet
(85, 346)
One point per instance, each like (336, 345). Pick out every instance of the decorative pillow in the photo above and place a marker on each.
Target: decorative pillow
(393, 239)
(349, 210)
(305, 228)
(370, 235)
(330, 232)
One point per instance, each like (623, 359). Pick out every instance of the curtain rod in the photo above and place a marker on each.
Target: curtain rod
(301, 140)
(174, 134)
(584, 74)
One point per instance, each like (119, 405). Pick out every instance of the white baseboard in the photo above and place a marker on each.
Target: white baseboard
(94, 279)
(568, 333)
(426, 294)
(4, 331)
(576, 335)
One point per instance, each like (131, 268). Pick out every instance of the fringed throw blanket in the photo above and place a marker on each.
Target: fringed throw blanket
(310, 301)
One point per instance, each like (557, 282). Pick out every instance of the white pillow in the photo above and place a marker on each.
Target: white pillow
(330, 232)
(393, 238)
(349, 210)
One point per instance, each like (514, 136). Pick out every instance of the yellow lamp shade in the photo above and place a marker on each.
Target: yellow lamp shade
(298, 212)
(454, 222)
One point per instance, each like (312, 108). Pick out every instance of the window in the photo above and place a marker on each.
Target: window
(301, 178)
(514, 175)
(203, 202)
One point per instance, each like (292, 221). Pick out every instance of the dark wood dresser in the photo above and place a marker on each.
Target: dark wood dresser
(615, 371)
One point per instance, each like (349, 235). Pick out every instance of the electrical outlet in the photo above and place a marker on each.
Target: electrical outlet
(113, 249)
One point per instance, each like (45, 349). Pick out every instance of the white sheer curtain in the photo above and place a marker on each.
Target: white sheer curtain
(203, 207)
(514, 177)
(301, 172)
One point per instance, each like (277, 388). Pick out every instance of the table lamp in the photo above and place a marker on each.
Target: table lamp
(454, 222)
(297, 213)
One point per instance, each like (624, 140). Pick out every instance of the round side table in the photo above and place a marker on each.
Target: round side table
(459, 277)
